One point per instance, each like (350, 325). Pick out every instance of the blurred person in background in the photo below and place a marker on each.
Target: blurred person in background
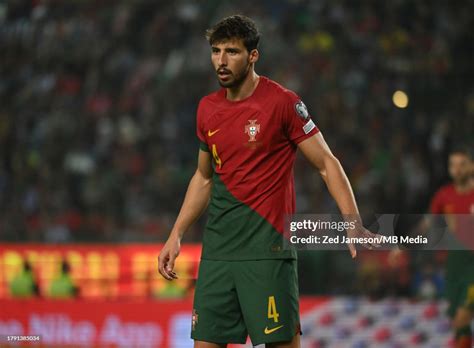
(24, 284)
(249, 133)
(63, 286)
(458, 198)
(369, 277)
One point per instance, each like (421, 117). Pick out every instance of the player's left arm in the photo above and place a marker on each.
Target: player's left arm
(318, 153)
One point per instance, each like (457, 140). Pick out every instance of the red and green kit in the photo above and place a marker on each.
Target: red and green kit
(253, 143)
(460, 263)
(248, 283)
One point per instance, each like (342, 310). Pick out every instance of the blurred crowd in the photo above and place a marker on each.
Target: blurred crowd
(98, 102)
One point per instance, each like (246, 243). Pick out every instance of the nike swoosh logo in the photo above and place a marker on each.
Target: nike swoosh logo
(210, 134)
(269, 331)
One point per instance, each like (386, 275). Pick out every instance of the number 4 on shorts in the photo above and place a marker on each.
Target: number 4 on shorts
(272, 312)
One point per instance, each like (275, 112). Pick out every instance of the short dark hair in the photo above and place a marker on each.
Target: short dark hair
(461, 149)
(235, 27)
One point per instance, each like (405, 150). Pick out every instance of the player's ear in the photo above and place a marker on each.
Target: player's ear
(253, 55)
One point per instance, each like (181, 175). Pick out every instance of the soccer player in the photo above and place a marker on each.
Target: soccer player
(458, 198)
(249, 132)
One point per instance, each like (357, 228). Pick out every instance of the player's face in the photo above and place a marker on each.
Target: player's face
(232, 62)
(460, 167)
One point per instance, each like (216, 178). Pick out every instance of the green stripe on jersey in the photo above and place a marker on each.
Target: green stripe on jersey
(234, 231)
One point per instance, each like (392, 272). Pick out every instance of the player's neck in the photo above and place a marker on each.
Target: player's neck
(463, 186)
(245, 89)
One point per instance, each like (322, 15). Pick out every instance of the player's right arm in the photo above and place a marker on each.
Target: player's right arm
(195, 202)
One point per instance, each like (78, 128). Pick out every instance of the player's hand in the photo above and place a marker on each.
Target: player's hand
(362, 232)
(167, 256)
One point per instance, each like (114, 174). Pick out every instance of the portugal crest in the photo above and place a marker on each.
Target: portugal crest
(252, 129)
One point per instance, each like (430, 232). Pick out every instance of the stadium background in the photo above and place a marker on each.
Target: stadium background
(97, 144)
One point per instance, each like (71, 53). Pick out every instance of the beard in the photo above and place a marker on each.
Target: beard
(234, 80)
(461, 179)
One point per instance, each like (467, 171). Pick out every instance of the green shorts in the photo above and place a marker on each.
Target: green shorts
(460, 281)
(234, 299)
(460, 294)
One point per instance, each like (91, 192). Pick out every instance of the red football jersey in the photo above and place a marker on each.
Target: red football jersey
(253, 145)
(448, 201)
(459, 211)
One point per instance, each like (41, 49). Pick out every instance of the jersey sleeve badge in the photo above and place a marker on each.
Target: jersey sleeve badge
(302, 110)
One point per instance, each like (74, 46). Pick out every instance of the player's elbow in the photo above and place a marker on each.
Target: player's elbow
(331, 159)
(207, 183)
(204, 180)
(329, 163)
